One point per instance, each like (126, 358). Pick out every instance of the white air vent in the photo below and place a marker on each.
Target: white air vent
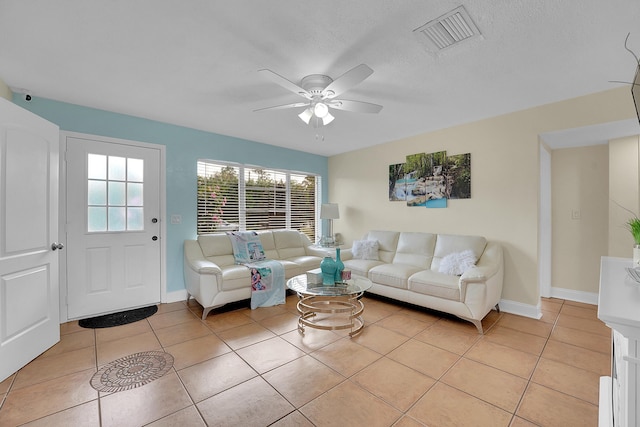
(449, 29)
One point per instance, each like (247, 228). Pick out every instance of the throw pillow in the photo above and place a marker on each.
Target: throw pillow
(365, 249)
(246, 246)
(457, 263)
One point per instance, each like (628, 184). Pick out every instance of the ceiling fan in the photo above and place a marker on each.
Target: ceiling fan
(321, 94)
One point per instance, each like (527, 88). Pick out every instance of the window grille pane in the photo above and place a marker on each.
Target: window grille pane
(96, 166)
(135, 170)
(135, 219)
(117, 220)
(117, 168)
(116, 194)
(97, 193)
(97, 219)
(134, 194)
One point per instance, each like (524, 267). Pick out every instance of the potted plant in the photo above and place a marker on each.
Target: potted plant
(633, 225)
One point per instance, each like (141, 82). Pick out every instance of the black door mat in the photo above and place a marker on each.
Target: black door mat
(117, 319)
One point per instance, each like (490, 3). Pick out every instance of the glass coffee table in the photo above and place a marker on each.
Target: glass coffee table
(332, 307)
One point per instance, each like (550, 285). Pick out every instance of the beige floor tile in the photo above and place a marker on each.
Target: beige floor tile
(403, 324)
(349, 405)
(71, 327)
(281, 323)
(223, 321)
(104, 335)
(269, 354)
(582, 339)
(446, 406)
(242, 336)
(515, 339)
(173, 306)
(567, 379)
(587, 325)
(374, 311)
(346, 356)
(142, 405)
(525, 324)
(47, 368)
(407, 421)
(6, 384)
(492, 385)
(491, 319)
(171, 318)
(72, 341)
(592, 307)
(187, 417)
(579, 357)
(112, 350)
(311, 340)
(394, 383)
(551, 304)
(549, 316)
(84, 415)
(579, 311)
(303, 380)
(181, 332)
(45, 398)
(543, 406)
(252, 403)
(215, 375)
(294, 419)
(521, 422)
(446, 337)
(262, 313)
(198, 350)
(507, 359)
(423, 357)
(425, 315)
(379, 339)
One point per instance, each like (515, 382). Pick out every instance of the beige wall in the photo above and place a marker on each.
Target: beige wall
(624, 192)
(5, 92)
(505, 182)
(580, 214)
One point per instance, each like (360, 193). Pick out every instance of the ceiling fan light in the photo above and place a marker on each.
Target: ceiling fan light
(321, 110)
(306, 115)
(327, 119)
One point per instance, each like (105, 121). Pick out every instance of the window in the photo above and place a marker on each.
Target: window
(114, 193)
(238, 197)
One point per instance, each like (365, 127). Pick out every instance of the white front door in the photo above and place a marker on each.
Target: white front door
(29, 305)
(113, 226)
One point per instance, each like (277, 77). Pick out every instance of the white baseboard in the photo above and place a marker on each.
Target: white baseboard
(175, 296)
(577, 296)
(521, 309)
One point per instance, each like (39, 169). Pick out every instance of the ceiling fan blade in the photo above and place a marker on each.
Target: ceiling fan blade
(282, 107)
(278, 79)
(347, 81)
(355, 106)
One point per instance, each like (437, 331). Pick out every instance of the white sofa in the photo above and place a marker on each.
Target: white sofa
(213, 278)
(406, 268)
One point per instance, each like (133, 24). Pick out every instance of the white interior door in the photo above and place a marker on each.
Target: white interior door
(113, 226)
(29, 306)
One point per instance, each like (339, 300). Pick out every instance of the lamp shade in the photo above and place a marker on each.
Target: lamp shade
(329, 211)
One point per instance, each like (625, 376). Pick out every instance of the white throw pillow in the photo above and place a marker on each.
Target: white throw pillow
(457, 263)
(365, 249)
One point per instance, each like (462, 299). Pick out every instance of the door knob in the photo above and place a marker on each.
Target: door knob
(55, 246)
(154, 238)
(154, 220)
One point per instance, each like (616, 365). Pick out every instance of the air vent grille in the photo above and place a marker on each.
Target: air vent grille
(449, 29)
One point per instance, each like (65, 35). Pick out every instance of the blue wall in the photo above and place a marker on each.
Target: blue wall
(184, 146)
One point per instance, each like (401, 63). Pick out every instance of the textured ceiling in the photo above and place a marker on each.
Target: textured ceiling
(194, 63)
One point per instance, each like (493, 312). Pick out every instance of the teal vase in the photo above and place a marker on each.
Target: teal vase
(328, 268)
(339, 267)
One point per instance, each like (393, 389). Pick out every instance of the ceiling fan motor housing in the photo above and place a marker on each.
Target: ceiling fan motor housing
(315, 83)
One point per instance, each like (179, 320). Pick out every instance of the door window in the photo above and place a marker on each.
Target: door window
(115, 188)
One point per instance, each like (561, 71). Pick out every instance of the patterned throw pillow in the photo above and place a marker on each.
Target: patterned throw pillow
(457, 263)
(365, 249)
(246, 246)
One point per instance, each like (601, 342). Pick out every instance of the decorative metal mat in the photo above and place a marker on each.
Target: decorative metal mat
(132, 371)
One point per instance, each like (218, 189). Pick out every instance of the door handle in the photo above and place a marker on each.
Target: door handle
(154, 238)
(55, 246)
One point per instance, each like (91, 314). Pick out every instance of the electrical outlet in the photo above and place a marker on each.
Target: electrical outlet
(575, 214)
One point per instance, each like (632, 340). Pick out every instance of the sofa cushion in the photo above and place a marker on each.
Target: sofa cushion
(215, 245)
(365, 249)
(268, 244)
(394, 275)
(288, 244)
(387, 243)
(449, 243)
(415, 249)
(360, 267)
(429, 282)
(456, 263)
(235, 277)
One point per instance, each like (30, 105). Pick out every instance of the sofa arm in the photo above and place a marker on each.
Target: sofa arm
(197, 264)
(320, 251)
(489, 264)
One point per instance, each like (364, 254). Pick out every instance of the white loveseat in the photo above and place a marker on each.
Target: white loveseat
(406, 267)
(213, 278)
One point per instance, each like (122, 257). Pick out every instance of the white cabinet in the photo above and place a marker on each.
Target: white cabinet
(619, 308)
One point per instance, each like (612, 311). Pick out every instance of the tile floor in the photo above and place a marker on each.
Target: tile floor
(409, 367)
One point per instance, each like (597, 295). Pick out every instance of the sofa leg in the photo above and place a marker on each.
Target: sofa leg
(478, 324)
(205, 312)
(498, 308)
